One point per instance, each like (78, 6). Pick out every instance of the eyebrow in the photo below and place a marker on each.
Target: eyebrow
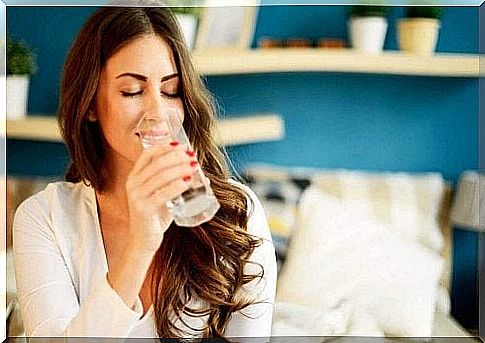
(144, 78)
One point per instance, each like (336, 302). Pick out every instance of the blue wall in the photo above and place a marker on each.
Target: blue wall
(349, 120)
(371, 122)
(361, 121)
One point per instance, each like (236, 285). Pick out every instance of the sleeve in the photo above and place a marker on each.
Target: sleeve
(255, 320)
(48, 300)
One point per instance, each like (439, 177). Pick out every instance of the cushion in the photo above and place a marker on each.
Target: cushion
(341, 252)
(417, 205)
(422, 200)
(409, 202)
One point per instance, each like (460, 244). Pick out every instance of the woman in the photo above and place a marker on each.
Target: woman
(100, 255)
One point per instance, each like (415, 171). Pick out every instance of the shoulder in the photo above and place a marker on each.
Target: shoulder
(60, 192)
(250, 195)
(257, 223)
(57, 198)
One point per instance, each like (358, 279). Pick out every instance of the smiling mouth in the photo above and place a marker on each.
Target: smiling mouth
(154, 134)
(153, 137)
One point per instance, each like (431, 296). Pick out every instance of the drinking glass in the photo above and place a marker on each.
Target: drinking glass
(198, 203)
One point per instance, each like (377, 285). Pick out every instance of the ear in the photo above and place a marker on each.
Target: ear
(92, 116)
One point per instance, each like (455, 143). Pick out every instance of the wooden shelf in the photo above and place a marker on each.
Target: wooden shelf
(35, 127)
(252, 129)
(229, 62)
(232, 131)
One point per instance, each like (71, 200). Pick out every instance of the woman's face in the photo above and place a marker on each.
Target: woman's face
(141, 78)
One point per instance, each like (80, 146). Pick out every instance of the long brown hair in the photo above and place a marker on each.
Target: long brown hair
(205, 262)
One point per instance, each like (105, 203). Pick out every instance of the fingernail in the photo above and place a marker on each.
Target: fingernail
(193, 163)
(175, 143)
(190, 153)
(186, 178)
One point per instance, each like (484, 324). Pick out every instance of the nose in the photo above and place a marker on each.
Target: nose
(155, 104)
(161, 108)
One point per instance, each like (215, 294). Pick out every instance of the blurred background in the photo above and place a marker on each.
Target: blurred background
(370, 111)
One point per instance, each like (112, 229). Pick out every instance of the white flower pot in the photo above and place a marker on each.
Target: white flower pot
(17, 96)
(367, 34)
(188, 25)
(418, 35)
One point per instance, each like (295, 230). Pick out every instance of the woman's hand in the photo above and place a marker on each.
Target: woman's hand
(156, 178)
(160, 174)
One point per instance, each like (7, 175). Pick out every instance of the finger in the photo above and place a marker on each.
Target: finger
(169, 175)
(168, 193)
(152, 153)
(158, 166)
(148, 154)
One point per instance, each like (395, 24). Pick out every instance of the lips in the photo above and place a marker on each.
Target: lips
(154, 134)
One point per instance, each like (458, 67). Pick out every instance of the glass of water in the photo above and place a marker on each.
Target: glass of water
(198, 203)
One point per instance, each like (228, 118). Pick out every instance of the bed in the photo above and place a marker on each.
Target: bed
(330, 283)
(364, 254)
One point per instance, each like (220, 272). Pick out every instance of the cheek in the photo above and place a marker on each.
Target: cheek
(118, 119)
(124, 108)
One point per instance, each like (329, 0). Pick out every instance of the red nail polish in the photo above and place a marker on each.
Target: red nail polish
(175, 143)
(186, 178)
(190, 153)
(193, 163)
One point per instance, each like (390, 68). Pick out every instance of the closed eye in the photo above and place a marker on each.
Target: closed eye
(168, 95)
(131, 94)
(171, 95)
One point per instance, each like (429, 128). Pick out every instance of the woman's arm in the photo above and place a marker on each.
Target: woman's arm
(48, 299)
(49, 302)
(255, 320)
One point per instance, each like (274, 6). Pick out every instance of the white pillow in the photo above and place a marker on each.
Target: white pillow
(409, 202)
(341, 252)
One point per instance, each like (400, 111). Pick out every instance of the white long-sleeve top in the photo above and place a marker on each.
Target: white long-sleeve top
(61, 267)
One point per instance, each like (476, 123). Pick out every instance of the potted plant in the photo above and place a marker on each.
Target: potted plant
(368, 27)
(21, 63)
(187, 13)
(418, 31)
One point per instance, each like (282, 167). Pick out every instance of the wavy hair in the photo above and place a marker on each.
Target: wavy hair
(205, 262)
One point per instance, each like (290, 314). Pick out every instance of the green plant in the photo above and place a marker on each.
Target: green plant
(368, 11)
(195, 11)
(432, 12)
(191, 7)
(20, 58)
